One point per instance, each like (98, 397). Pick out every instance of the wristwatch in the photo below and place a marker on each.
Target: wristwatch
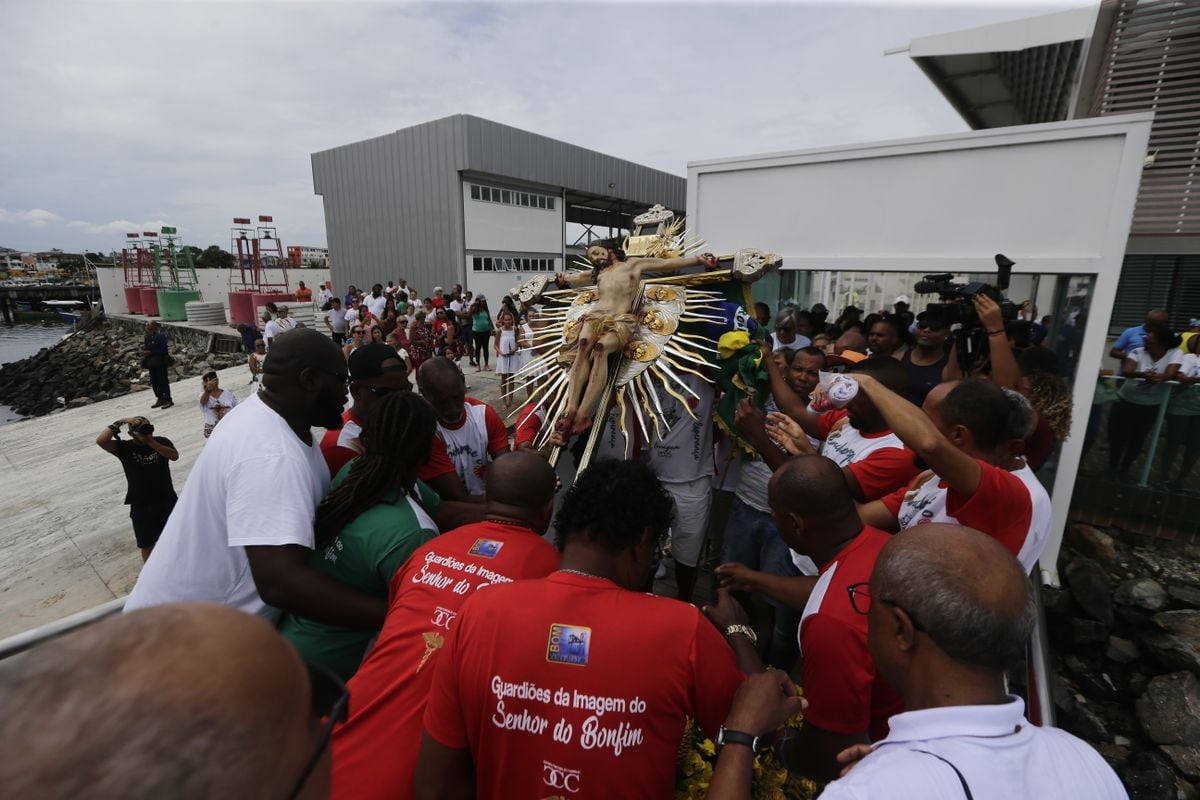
(744, 630)
(726, 736)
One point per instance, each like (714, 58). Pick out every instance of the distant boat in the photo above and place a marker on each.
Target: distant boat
(68, 310)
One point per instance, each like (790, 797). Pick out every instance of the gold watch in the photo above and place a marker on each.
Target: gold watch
(744, 630)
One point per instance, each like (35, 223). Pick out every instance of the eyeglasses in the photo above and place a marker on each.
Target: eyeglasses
(331, 702)
(930, 326)
(860, 601)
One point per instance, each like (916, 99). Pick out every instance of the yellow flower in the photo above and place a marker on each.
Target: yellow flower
(707, 748)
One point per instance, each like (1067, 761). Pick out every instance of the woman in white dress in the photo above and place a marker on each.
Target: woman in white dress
(508, 357)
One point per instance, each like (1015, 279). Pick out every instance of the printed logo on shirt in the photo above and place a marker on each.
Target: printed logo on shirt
(568, 644)
(485, 548)
(442, 617)
(557, 777)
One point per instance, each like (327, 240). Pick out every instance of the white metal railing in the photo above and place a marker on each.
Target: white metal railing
(31, 638)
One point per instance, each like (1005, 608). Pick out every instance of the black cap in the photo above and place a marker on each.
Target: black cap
(367, 361)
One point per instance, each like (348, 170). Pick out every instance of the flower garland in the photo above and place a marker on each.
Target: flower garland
(698, 756)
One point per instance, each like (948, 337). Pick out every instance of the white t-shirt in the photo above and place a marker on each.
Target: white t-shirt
(337, 319)
(685, 451)
(217, 407)
(323, 296)
(1144, 362)
(351, 317)
(255, 483)
(276, 327)
(456, 306)
(799, 343)
(467, 445)
(375, 304)
(995, 762)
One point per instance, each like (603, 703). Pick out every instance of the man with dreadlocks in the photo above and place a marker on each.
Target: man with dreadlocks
(369, 524)
(375, 751)
(606, 329)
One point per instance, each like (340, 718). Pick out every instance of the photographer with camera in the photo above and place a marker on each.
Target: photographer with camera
(994, 361)
(150, 494)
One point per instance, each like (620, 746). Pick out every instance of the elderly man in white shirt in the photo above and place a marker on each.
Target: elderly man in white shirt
(949, 609)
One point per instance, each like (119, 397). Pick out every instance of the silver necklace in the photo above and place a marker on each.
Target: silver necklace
(581, 572)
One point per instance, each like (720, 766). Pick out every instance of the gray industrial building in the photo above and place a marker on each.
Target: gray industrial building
(467, 200)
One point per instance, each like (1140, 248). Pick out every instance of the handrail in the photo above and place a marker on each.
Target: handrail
(21, 642)
(1040, 703)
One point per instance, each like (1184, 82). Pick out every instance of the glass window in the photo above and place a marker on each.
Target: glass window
(485, 193)
(550, 201)
(477, 264)
(474, 192)
(504, 194)
(524, 198)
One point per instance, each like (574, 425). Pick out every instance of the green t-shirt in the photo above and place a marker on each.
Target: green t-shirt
(401, 306)
(481, 322)
(364, 556)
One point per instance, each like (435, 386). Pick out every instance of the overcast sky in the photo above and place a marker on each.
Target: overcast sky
(127, 116)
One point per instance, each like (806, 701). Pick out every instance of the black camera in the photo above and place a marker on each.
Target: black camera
(958, 308)
(145, 429)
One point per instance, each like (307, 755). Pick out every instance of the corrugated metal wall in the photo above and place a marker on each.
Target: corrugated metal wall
(393, 204)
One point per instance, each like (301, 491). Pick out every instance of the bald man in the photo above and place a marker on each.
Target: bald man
(950, 611)
(849, 702)
(470, 431)
(180, 701)
(375, 752)
(242, 531)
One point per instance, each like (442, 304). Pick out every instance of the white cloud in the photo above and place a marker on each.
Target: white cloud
(34, 217)
(117, 228)
(206, 111)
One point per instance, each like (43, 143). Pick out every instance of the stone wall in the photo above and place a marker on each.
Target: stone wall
(100, 362)
(1125, 632)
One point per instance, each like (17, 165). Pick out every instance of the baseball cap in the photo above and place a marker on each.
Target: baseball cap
(846, 357)
(903, 299)
(367, 361)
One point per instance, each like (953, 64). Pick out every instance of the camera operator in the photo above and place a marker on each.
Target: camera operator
(998, 360)
(150, 494)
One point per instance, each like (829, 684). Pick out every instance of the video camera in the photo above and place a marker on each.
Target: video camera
(958, 309)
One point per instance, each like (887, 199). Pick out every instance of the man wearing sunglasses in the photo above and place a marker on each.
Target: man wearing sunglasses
(925, 361)
(180, 701)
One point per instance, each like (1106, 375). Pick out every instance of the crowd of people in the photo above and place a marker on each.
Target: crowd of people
(872, 531)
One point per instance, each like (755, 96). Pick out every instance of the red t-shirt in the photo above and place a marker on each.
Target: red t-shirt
(335, 445)
(1001, 506)
(571, 686)
(529, 425)
(880, 462)
(375, 750)
(845, 693)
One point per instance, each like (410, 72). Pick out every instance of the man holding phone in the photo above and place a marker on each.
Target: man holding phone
(150, 494)
(215, 402)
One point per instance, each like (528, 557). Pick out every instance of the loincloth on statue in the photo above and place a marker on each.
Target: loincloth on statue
(598, 323)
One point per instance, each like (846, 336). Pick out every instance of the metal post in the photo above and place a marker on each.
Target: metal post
(1040, 705)
(1158, 423)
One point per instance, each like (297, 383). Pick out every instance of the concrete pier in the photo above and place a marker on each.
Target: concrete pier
(66, 543)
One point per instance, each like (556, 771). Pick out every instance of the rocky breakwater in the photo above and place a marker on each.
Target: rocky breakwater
(93, 365)
(1125, 632)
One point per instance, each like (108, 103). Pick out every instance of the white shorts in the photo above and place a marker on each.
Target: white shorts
(692, 501)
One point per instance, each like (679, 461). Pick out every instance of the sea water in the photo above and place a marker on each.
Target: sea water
(22, 340)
